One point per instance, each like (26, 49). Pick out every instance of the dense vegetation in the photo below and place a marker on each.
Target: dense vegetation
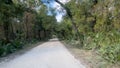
(94, 24)
(23, 22)
(98, 26)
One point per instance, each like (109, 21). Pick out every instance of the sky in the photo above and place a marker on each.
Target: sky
(59, 16)
(60, 12)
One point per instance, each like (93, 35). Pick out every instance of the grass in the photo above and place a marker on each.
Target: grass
(90, 58)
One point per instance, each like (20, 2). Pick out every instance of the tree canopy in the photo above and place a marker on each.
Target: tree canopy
(94, 23)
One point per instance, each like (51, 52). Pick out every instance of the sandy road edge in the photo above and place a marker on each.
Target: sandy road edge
(89, 58)
(69, 48)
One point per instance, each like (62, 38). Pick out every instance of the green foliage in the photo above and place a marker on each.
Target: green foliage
(107, 44)
(1, 51)
(110, 52)
(7, 48)
(99, 23)
(23, 22)
(64, 30)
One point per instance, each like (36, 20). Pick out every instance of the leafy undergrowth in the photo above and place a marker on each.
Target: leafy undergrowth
(91, 58)
(13, 46)
(27, 47)
(106, 44)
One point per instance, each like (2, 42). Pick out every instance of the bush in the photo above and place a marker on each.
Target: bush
(1, 51)
(10, 47)
(106, 43)
(17, 44)
(111, 52)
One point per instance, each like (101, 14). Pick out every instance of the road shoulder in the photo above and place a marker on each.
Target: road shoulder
(89, 58)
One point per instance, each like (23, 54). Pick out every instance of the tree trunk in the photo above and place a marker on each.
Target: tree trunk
(77, 34)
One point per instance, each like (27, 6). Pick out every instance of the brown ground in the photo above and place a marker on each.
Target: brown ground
(90, 58)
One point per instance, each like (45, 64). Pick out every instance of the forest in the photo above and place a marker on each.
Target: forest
(94, 24)
(21, 23)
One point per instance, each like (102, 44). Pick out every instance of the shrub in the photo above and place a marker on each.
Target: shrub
(110, 52)
(10, 47)
(106, 43)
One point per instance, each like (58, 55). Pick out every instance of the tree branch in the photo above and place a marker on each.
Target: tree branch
(70, 16)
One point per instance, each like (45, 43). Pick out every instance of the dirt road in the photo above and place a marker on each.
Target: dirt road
(51, 54)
